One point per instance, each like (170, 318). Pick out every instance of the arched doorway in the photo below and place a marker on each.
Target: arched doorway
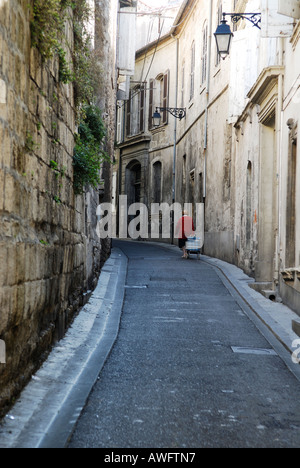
(133, 182)
(133, 189)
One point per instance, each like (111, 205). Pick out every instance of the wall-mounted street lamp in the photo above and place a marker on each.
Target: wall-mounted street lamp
(224, 34)
(178, 113)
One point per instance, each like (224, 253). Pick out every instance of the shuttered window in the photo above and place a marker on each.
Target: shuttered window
(142, 108)
(192, 82)
(204, 53)
(159, 97)
(135, 112)
(165, 97)
(128, 116)
(151, 107)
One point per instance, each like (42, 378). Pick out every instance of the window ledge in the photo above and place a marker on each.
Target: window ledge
(135, 139)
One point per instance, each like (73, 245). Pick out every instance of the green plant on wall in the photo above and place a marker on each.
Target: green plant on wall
(47, 31)
(47, 26)
(88, 152)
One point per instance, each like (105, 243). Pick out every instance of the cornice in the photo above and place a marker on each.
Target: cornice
(266, 81)
(135, 140)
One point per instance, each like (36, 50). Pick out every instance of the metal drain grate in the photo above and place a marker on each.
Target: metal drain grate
(258, 351)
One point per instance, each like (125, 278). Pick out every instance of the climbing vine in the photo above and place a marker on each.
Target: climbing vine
(47, 25)
(83, 70)
(88, 153)
(47, 33)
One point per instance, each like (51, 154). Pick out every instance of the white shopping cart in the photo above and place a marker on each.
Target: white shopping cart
(193, 246)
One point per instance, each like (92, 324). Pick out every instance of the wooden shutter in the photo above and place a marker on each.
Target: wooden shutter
(142, 107)
(165, 102)
(151, 109)
(204, 54)
(192, 83)
(128, 115)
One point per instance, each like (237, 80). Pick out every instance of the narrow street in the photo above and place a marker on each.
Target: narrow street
(189, 369)
(158, 120)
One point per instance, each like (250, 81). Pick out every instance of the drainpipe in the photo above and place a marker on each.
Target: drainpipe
(175, 124)
(279, 128)
(175, 138)
(209, 52)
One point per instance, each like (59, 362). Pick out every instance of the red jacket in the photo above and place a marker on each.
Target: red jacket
(184, 227)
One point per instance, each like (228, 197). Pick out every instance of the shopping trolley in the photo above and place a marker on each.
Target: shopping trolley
(193, 246)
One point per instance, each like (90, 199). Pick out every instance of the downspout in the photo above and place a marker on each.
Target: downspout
(209, 52)
(279, 122)
(175, 124)
(175, 137)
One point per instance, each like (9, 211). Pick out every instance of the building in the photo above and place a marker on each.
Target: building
(236, 149)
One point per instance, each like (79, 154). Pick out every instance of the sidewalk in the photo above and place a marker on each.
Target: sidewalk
(47, 411)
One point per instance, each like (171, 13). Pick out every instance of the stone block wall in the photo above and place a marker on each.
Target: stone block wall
(49, 254)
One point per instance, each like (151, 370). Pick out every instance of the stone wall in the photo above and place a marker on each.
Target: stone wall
(50, 256)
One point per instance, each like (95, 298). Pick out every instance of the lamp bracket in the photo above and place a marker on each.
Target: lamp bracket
(177, 112)
(254, 18)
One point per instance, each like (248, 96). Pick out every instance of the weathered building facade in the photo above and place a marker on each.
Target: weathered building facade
(236, 150)
(268, 232)
(50, 255)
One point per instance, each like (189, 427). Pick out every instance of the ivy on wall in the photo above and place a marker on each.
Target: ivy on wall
(88, 155)
(83, 70)
(47, 25)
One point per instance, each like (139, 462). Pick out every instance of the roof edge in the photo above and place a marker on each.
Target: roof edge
(186, 7)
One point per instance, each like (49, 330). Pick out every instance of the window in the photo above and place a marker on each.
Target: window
(135, 122)
(204, 52)
(156, 182)
(151, 103)
(192, 76)
(159, 97)
(165, 95)
(141, 108)
(182, 83)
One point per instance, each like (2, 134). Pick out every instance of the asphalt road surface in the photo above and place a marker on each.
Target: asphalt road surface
(189, 369)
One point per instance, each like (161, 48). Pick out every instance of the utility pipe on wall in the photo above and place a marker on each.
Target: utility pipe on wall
(175, 137)
(175, 123)
(209, 53)
(279, 131)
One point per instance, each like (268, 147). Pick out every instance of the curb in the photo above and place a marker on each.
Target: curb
(47, 410)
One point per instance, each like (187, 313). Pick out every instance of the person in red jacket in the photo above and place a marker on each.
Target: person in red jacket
(184, 229)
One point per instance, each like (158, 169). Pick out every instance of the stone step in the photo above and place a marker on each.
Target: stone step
(296, 326)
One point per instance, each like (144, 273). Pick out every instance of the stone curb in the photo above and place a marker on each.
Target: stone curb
(46, 413)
